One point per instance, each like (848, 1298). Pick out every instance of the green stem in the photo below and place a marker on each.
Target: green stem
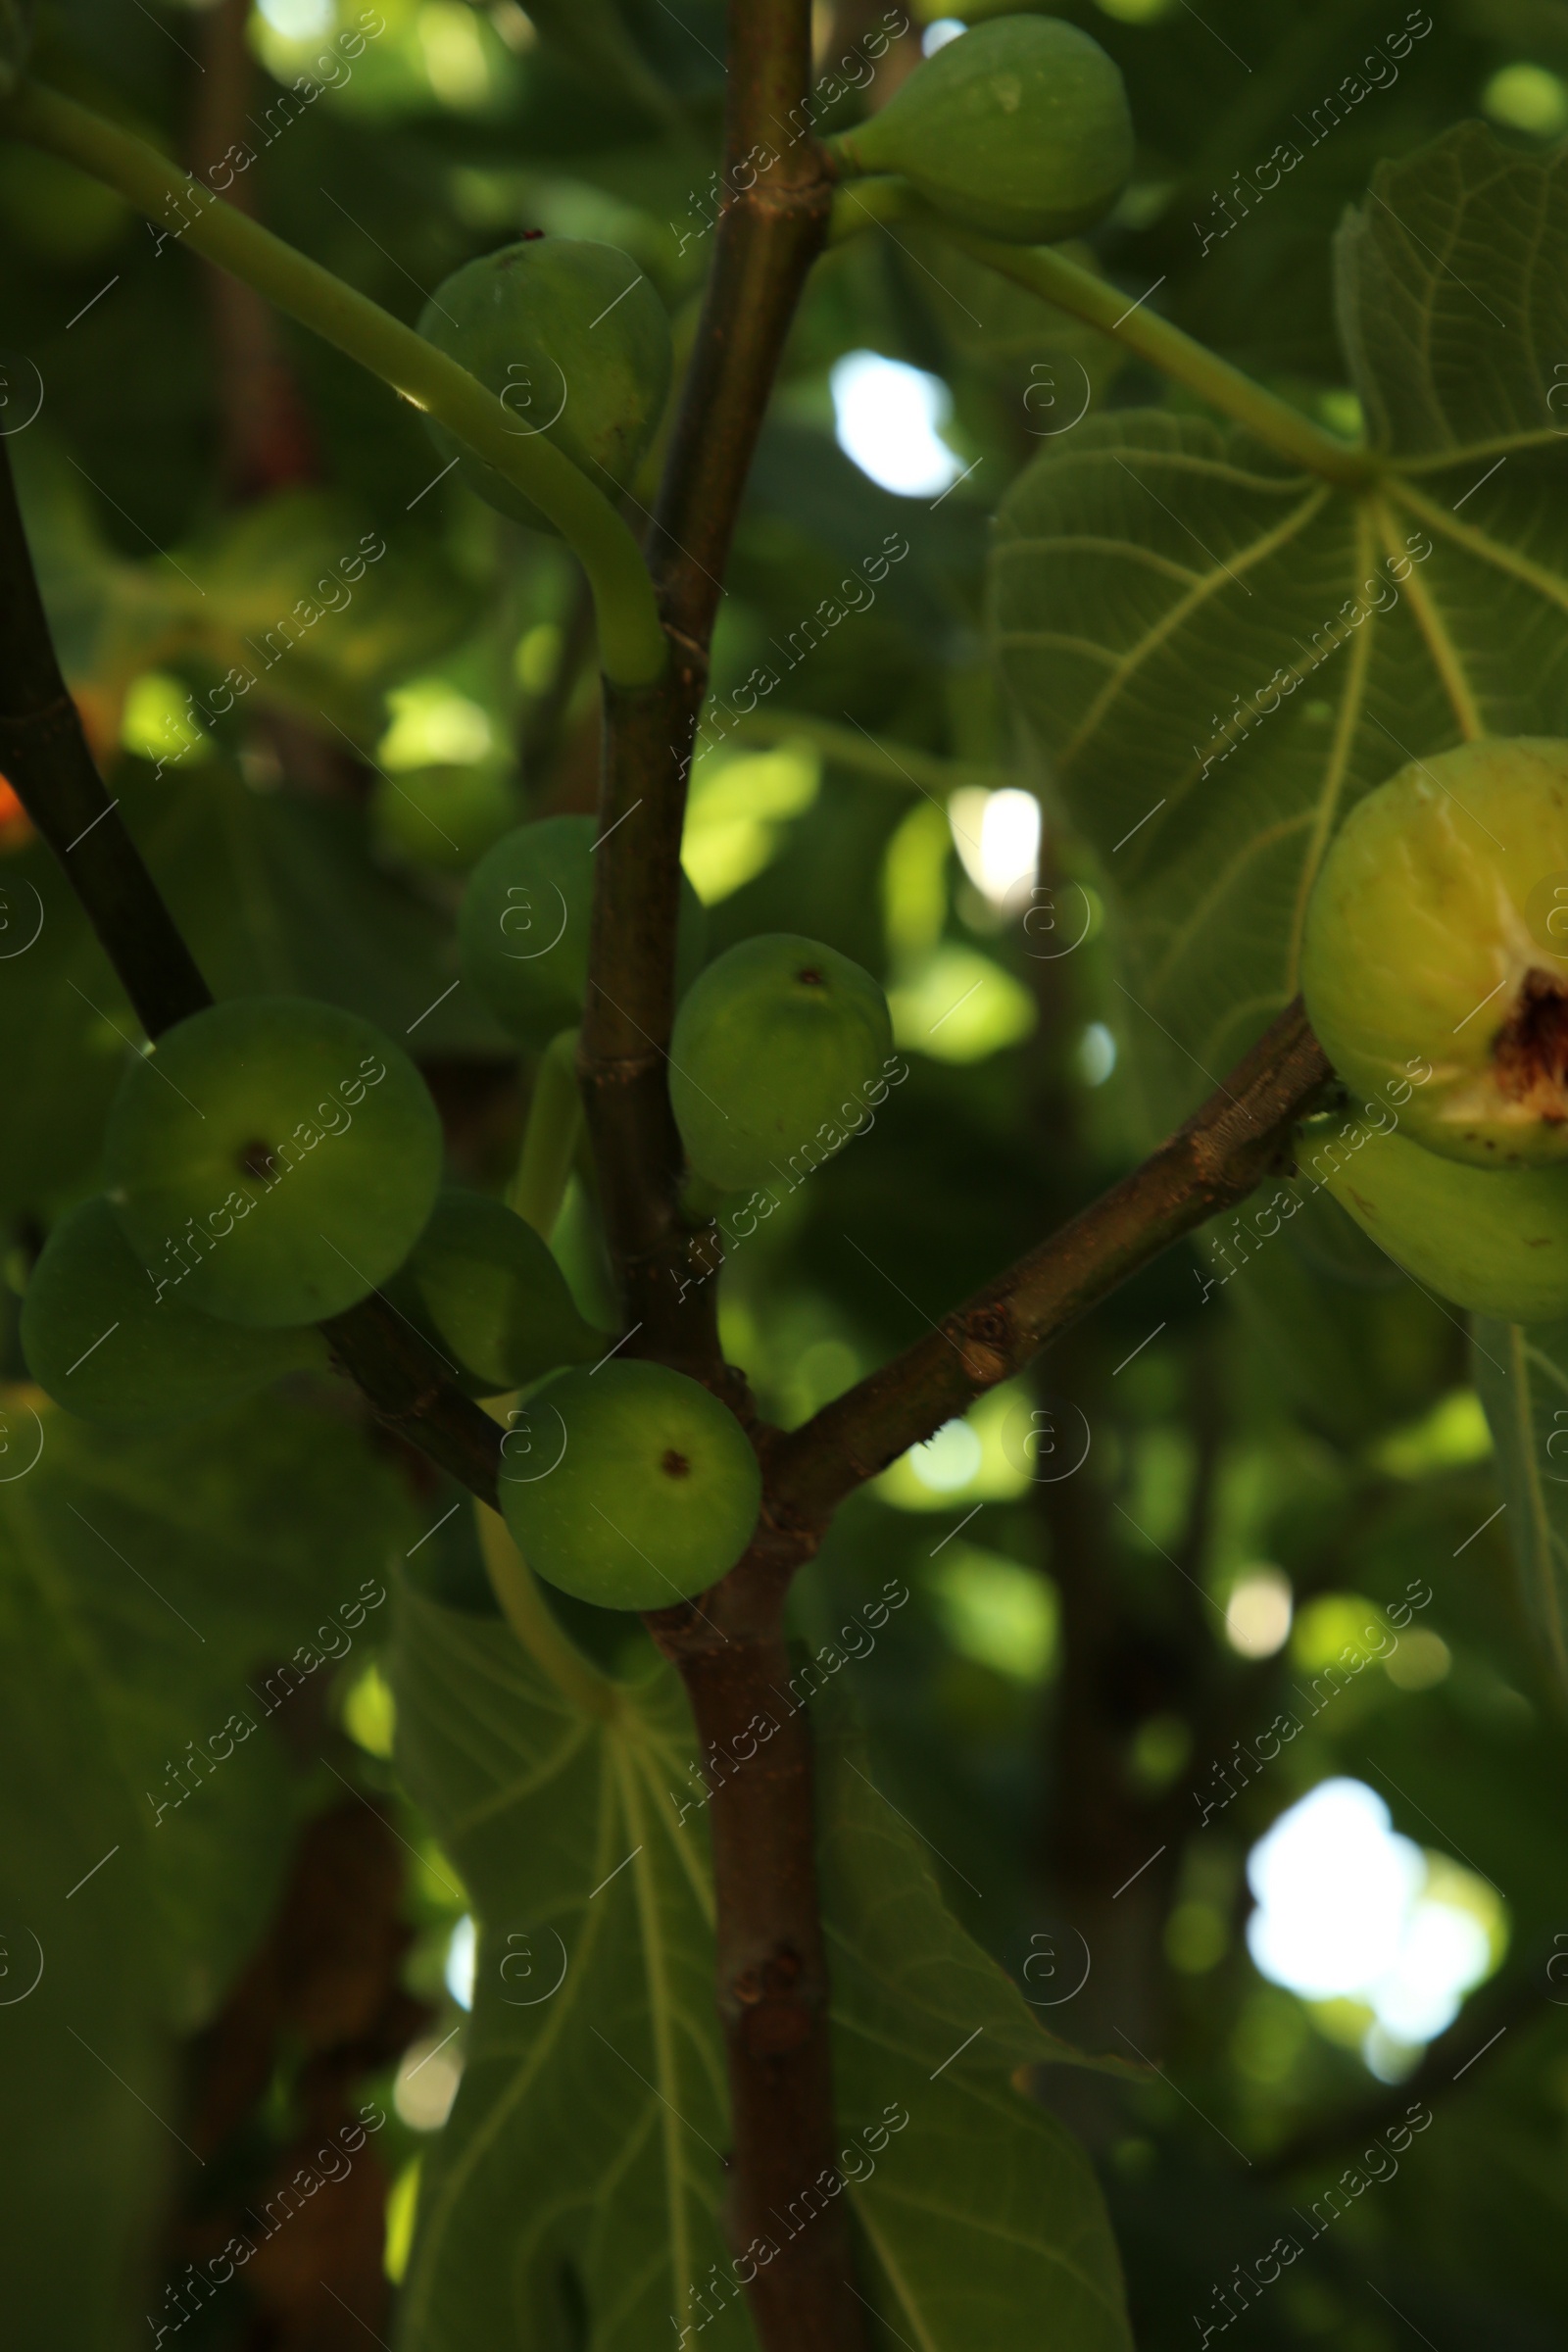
(531, 1618)
(633, 645)
(555, 1122)
(897, 763)
(1046, 271)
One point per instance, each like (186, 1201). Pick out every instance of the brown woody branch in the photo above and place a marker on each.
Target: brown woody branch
(771, 1976)
(45, 758)
(771, 1968)
(773, 225)
(1224, 1150)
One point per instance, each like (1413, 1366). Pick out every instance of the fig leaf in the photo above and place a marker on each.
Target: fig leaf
(1221, 656)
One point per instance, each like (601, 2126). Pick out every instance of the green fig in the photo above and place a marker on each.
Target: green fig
(522, 932)
(574, 342)
(1437, 931)
(1018, 129)
(1494, 1243)
(446, 816)
(486, 1288)
(778, 1050)
(97, 1337)
(630, 1485)
(273, 1159)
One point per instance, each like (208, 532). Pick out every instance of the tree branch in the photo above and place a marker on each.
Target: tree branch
(771, 1973)
(773, 225)
(771, 1970)
(44, 755)
(624, 1046)
(1223, 1150)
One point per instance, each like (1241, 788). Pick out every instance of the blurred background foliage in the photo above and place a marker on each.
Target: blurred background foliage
(1122, 1571)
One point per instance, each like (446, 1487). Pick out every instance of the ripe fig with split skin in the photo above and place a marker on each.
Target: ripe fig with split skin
(1436, 932)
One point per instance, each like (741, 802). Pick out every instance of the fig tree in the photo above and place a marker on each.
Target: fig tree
(1018, 129)
(630, 1485)
(272, 1159)
(777, 1050)
(1438, 931)
(573, 341)
(487, 1290)
(106, 1348)
(1494, 1243)
(522, 932)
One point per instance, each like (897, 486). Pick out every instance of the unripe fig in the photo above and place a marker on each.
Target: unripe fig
(272, 1159)
(776, 1041)
(631, 1486)
(1018, 129)
(1497, 1244)
(522, 932)
(105, 1347)
(573, 341)
(444, 817)
(489, 1293)
(1438, 931)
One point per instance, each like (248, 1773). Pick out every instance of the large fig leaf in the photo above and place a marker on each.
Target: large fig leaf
(924, 2022)
(144, 1589)
(573, 2198)
(1221, 654)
